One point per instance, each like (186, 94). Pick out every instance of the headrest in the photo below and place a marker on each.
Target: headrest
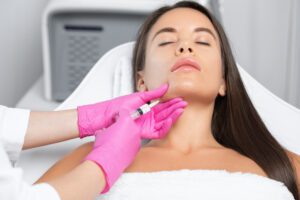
(107, 79)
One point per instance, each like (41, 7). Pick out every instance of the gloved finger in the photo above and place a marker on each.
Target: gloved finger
(154, 94)
(100, 136)
(158, 133)
(173, 116)
(123, 113)
(162, 128)
(165, 128)
(164, 105)
(163, 114)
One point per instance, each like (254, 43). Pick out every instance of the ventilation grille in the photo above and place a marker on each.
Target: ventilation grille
(82, 53)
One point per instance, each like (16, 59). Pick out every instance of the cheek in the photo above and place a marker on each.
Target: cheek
(212, 67)
(156, 72)
(212, 73)
(155, 78)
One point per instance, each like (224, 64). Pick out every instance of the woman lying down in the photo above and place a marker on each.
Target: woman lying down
(219, 148)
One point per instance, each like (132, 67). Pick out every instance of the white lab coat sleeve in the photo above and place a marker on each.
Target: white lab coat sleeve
(13, 126)
(12, 186)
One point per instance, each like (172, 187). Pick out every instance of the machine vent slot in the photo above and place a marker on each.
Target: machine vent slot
(83, 28)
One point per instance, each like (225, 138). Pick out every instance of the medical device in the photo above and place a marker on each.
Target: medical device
(144, 109)
(77, 33)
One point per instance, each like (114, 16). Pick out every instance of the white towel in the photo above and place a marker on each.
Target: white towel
(196, 184)
(123, 79)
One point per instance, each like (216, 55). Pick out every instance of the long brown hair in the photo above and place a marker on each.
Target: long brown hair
(235, 122)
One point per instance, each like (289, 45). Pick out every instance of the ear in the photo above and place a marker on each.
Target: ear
(222, 90)
(140, 84)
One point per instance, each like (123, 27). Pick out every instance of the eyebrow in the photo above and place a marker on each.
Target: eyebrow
(173, 30)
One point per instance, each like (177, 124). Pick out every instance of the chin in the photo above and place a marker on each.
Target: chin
(190, 89)
(183, 89)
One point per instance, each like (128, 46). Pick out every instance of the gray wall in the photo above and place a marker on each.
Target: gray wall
(265, 36)
(20, 47)
(293, 91)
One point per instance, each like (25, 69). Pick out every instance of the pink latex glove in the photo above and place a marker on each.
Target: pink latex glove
(101, 115)
(116, 147)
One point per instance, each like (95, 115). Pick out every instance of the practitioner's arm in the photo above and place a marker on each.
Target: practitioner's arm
(50, 127)
(85, 181)
(67, 163)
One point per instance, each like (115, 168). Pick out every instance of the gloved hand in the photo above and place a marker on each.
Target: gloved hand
(101, 115)
(116, 147)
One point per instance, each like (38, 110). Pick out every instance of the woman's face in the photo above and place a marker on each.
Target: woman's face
(183, 35)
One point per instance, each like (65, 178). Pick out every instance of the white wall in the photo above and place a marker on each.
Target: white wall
(20, 47)
(265, 36)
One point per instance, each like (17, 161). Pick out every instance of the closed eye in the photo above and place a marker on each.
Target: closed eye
(164, 43)
(203, 43)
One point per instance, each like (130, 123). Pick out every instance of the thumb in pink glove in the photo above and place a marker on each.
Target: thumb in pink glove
(116, 147)
(101, 115)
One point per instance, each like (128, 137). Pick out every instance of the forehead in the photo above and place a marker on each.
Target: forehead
(182, 18)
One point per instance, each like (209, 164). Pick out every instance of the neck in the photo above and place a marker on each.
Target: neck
(191, 131)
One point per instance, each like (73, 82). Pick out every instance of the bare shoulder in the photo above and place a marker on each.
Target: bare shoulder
(293, 156)
(295, 160)
(245, 164)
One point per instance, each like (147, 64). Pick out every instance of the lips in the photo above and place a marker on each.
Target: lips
(186, 62)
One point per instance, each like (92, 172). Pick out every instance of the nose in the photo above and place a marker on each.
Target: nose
(184, 49)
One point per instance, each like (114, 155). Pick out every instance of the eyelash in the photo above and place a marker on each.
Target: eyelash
(165, 43)
(203, 43)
